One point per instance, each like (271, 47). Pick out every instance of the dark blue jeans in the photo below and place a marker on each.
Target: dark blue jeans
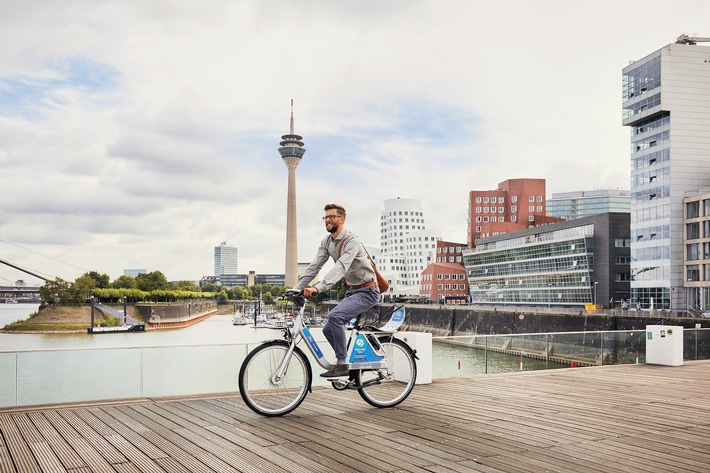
(355, 303)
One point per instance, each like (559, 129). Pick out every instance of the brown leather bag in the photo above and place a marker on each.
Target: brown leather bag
(382, 283)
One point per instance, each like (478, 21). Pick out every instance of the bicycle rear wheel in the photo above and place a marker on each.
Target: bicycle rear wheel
(258, 389)
(388, 387)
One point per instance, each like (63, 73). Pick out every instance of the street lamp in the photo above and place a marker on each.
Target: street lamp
(595, 293)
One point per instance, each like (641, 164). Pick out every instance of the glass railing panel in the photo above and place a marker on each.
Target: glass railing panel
(696, 344)
(8, 379)
(624, 347)
(60, 376)
(191, 370)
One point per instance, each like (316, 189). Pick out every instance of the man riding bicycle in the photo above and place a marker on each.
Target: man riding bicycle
(352, 264)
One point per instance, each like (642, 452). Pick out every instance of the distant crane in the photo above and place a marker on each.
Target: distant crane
(685, 39)
(24, 270)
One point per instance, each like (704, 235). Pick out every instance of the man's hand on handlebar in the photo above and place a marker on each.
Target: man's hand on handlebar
(310, 291)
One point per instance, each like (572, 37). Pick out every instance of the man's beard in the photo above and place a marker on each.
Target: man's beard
(334, 228)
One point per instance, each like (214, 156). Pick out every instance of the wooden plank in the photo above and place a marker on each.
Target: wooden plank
(19, 450)
(6, 464)
(81, 446)
(66, 454)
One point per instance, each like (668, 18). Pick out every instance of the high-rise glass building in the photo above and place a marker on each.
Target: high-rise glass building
(666, 105)
(225, 259)
(571, 205)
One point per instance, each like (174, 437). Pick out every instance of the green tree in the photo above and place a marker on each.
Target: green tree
(124, 282)
(186, 286)
(239, 293)
(211, 287)
(102, 280)
(81, 288)
(152, 281)
(55, 291)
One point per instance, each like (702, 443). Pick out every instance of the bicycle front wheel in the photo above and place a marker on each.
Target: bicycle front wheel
(388, 387)
(261, 392)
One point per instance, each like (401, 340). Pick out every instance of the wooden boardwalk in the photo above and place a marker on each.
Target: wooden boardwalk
(637, 418)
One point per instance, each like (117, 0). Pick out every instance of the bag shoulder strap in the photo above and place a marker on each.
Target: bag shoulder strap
(342, 243)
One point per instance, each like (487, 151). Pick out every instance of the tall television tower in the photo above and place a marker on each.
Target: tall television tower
(291, 151)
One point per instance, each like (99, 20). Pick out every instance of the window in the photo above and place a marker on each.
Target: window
(485, 210)
(692, 209)
(478, 200)
(531, 198)
(513, 208)
(531, 208)
(693, 251)
(539, 208)
(501, 200)
(439, 277)
(485, 200)
(493, 200)
(539, 198)
(693, 272)
(692, 230)
(620, 243)
(478, 210)
(446, 276)
(531, 218)
(514, 198)
(514, 218)
(439, 287)
(501, 210)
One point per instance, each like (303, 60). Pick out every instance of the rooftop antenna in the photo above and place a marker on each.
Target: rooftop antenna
(292, 117)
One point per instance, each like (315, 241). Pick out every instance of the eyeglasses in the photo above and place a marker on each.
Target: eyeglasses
(331, 217)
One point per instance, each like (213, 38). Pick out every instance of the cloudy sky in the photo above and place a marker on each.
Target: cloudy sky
(140, 134)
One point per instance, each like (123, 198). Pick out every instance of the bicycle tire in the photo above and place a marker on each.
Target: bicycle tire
(389, 387)
(256, 386)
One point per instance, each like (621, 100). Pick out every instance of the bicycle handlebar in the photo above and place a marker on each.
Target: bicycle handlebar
(296, 297)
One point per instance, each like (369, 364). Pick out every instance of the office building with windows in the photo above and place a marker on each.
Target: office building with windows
(569, 205)
(407, 247)
(573, 263)
(666, 105)
(696, 254)
(225, 259)
(516, 204)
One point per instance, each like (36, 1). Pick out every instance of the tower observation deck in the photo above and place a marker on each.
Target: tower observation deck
(291, 152)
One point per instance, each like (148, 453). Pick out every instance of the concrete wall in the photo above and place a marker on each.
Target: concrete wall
(449, 320)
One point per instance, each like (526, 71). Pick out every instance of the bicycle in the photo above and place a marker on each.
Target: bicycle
(275, 377)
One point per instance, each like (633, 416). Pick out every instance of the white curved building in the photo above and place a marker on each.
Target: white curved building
(406, 246)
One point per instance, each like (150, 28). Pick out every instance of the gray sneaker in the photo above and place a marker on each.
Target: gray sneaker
(337, 371)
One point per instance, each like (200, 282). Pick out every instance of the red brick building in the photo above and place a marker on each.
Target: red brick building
(450, 252)
(440, 280)
(515, 205)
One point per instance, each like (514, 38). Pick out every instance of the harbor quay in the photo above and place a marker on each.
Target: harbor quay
(601, 419)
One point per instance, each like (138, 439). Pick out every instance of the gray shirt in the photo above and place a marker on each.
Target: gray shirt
(353, 263)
